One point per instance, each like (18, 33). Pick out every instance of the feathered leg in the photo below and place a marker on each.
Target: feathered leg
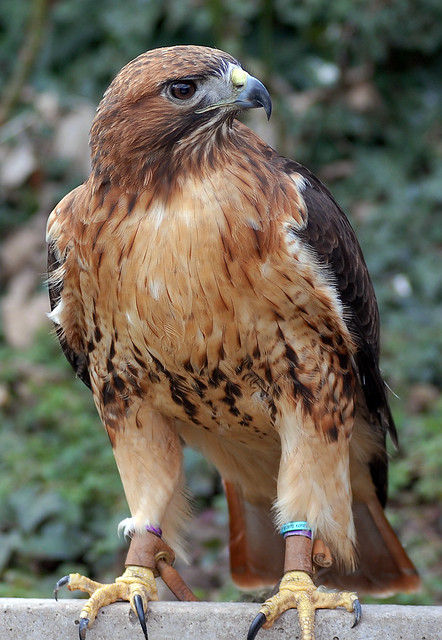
(314, 500)
(148, 454)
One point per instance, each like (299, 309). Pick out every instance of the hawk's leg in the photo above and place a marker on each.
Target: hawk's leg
(148, 557)
(148, 453)
(297, 591)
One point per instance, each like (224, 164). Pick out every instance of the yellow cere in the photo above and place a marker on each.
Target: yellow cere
(239, 78)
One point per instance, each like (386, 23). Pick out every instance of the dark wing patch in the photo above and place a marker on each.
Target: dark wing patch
(331, 236)
(78, 361)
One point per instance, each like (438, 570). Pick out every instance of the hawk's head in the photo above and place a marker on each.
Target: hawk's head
(168, 99)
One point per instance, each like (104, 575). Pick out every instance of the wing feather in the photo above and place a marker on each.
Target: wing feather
(329, 233)
(58, 249)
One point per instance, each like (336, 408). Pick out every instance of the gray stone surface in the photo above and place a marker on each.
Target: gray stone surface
(49, 620)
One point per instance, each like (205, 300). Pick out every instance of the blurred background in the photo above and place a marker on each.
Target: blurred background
(356, 87)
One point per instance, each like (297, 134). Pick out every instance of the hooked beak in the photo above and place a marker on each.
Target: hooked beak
(254, 95)
(246, 92)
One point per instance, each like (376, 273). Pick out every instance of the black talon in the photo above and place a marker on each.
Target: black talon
(358, 612)
(82, 628)
(138, 602)
(256, 626)
(61, 583)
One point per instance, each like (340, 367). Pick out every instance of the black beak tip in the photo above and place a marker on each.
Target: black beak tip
(254, 96)
(262, 99)
(268, 109)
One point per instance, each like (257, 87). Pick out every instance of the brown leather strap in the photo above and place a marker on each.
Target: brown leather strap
(321, 554)
(298, 554)
(145, 549)
(175, 582)
(148, 550)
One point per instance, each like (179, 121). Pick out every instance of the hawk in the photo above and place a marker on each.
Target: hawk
(211, 292)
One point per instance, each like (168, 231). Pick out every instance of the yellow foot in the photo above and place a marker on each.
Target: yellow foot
(297, 591)
(136, 585)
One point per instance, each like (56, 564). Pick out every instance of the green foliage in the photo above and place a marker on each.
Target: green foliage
(356, 88)
(415, 474)
(422, 463)
(58, 481)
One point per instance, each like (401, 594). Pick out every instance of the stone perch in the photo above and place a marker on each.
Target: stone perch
(48, 620)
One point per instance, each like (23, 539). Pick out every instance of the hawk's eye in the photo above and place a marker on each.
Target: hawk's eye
(183, 90)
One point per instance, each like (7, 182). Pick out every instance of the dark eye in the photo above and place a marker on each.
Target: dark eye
(183, 90)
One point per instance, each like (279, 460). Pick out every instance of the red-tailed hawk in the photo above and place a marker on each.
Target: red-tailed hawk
(212, 292)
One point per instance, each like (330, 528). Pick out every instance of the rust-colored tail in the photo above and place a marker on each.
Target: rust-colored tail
(383, 567)
(257, 551)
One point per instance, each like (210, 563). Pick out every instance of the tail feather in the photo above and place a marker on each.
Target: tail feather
(257, 551)
(383, 567)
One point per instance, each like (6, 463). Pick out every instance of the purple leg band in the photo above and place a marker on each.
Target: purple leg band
(155, 530)
(303, 532)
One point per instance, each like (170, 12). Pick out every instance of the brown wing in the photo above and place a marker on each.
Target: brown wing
(77, 360)
(59, 239)
(330, 235)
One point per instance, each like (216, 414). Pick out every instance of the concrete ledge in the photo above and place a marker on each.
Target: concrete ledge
(49, 620)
